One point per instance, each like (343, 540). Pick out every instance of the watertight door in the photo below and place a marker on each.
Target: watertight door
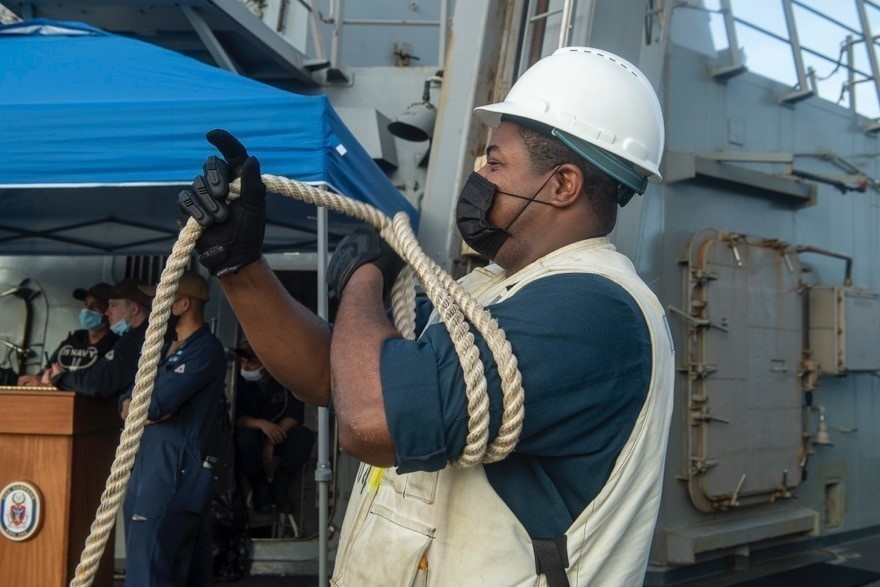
(744, 317)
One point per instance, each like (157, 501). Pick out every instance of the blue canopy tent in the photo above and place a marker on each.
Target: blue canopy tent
(99, 133)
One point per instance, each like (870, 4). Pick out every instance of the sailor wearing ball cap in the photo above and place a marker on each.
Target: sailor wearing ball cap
(82, 348)
(127, 311)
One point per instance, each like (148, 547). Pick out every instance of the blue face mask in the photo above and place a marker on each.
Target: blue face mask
(120, 327)
(90, 319)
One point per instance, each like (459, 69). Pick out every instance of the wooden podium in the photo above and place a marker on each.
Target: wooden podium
(63, 444)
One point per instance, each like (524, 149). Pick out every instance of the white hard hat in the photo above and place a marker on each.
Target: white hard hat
(591, 98)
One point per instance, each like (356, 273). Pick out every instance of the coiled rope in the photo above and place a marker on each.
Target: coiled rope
(456, 307)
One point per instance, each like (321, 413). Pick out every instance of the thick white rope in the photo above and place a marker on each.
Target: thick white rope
(456, 307)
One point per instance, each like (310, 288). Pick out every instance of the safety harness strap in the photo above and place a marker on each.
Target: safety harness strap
(551, 559)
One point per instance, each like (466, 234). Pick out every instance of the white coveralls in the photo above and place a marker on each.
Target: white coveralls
(450, 527)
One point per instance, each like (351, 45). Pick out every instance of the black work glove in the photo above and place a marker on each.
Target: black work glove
(363, 245)
(233, 235)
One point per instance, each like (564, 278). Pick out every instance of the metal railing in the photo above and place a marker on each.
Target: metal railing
(845, 73)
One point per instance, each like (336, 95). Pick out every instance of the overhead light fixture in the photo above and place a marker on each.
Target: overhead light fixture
(417, 121)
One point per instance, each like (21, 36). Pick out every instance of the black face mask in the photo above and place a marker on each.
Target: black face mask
(172, 322)
(474, 202)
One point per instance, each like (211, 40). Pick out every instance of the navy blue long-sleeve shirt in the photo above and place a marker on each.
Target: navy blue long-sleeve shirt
(584, 352)
(113, 374)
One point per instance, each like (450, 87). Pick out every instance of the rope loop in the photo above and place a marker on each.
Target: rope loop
(456, 307)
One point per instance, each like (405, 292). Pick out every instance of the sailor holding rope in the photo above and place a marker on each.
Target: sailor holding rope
(572, 497)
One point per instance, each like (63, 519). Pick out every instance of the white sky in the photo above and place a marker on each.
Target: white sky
(770, 57)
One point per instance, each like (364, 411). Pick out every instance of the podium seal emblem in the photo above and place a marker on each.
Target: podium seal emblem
(21, 510)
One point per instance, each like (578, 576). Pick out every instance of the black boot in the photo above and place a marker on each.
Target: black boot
(281, 490)
(262, 493)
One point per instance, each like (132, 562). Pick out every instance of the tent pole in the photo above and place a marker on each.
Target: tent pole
(323, 472)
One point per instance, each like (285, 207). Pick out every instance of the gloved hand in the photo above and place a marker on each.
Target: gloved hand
(233, 235)
(363, 245)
